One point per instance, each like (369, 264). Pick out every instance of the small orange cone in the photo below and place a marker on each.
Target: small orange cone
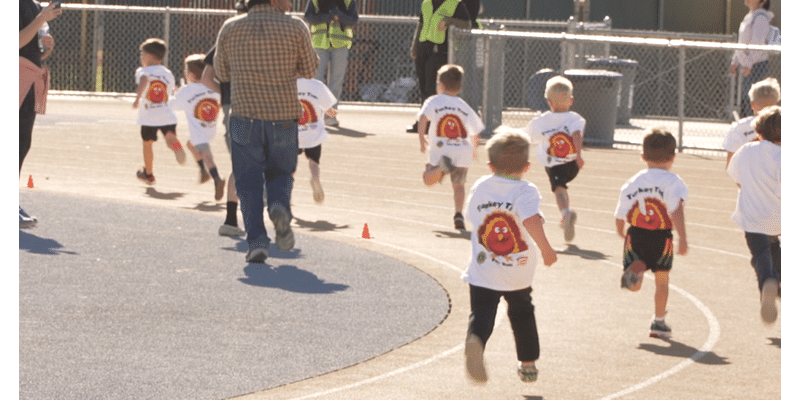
(30, 181)
(365, 234)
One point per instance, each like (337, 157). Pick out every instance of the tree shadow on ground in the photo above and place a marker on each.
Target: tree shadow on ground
(319, 226)
(347, 132)
(37, 245)
(775, 341)
(677, 349)
(289, 278)
(453, 235)
(207, 206)
(152, 192)
(574, 250)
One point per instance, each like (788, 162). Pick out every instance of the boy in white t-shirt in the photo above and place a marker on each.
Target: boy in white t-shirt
(756, 168)
(317, 100)
(652, 203)
(155, 84)
(559, 134)
(448, 131)
(201, 105)
(506, 220)
(763, 94)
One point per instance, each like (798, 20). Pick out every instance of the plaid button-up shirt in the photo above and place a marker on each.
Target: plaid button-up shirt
(262, 53)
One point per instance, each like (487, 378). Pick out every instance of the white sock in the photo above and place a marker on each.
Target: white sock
(564, 212)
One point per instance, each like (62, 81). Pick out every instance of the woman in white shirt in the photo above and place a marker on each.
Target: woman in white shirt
(753, 65)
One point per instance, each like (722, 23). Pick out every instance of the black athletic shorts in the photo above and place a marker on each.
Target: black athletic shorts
(653, 247)
(151, 132)
(561, 174)
(313, 153)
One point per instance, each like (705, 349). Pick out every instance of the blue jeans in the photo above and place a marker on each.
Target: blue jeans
(766, 256)
(757, 74)
(336, 59)
(264, 154)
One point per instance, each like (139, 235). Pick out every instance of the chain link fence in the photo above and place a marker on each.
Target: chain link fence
(679, 81)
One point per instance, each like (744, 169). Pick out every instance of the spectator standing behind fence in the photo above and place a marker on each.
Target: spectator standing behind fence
(262, 53)
(332, 35)
(753, 65)
(201, 105)
(429, 47)
(507, 221)
(475, 8)
(559, 134)
(652, 203)
(156, 85)
(756, 168)
(35, 45)
(762, 95)
(452, 140)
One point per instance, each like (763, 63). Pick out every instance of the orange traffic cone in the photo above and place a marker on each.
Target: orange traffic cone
(30, 181)
(365, 234)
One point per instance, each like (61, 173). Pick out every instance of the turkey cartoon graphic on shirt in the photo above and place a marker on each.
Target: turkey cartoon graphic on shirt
(157, 92)
(655, 217)
(451, 127)
(309, 113)
(206, 110)
(561, 145)
(500, 235)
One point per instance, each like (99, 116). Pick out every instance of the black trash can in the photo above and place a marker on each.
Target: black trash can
(534, 89)
(628, 70)
(596, 96)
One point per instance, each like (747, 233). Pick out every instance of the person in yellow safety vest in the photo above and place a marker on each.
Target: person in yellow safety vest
(331, 24)
(429, 48)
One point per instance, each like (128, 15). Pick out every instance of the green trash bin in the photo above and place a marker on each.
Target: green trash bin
(628, 70)
(596, 96)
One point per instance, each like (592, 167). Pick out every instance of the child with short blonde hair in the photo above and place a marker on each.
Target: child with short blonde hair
(763, 94)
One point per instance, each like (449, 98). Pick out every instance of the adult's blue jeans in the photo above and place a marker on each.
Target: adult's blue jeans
(332, 67)
(766, 256)
(264, 155)
(757, 73)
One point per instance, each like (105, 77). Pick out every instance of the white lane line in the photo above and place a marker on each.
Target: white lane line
(711, 340)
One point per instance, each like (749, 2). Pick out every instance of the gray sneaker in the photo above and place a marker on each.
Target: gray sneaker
(528, 373)
(660, 329)
(230, 230)
(316, 188)
(257, 255)
(284, 237)
(768, 293)
(25, 220)
(473, 350)
(569, 226)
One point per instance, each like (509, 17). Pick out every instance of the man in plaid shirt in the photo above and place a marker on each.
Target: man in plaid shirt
(262, 53)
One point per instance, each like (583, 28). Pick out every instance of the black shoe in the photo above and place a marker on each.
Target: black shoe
(413, 128)
(458, 220)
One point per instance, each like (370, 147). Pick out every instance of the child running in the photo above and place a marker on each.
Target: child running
(316, 99)
(756, 168)
(559, 134)
(452, 140)
(763, 94)
(505, 215)
(201, 105)
(156, 84)
(652, 203)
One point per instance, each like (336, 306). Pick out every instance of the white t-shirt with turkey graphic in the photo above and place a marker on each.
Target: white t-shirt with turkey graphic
(153, 105)
(552, 132)
(452, 127)
(316, 98)
(649, 197)
(503, 253)
(741, 132)
(201, 105)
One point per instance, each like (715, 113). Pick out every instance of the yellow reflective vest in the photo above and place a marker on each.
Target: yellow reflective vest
(429, 31)
(331, 34)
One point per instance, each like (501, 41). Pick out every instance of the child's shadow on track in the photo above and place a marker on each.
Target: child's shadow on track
(775, 342)
(207, 206)
(37, 245)
(574, 250)
(533, 397)
(289, 278)
(152, 192)
(453, 235)
(677, 349)
(319, 226)
(348, 132)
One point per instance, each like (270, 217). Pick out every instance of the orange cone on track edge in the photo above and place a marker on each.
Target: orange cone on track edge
(30, 181)
(365, 234)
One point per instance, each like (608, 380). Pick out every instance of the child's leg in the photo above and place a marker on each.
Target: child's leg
(147, 152)
(562, 198)
(662, 293)
(483, 303)
(174, 144)
(433, 174)
(459, 177)
(523, 324)
(193, 150)
(637, 265)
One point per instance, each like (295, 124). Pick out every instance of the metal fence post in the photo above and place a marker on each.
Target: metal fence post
(493, 77)
(681, 92)
(97, 64)
(166, 35)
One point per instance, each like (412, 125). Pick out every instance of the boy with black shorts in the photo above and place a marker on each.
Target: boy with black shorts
(652, 203)
(156, 84)
(317, 101)
(559, 134)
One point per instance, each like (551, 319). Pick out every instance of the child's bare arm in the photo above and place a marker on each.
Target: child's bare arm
(476, 141)
(209, 78)
(621, 227)
(536, 230)
(139, 91)
(331, 112)
(680, 228)
(577, 140)
(422, 127)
